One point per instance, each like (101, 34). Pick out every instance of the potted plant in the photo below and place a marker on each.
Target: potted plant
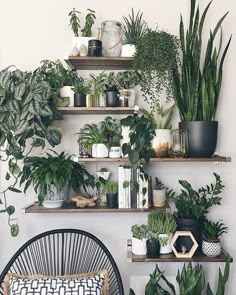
(127, 80)
(111, 91)
(167, 227)
(211, 245)
(111, 188)
(139, 234)
(103, 173)
(51, 177)
(134, 29)
(160, 120)
(98, 83)
(156, 53)
(92, 136)
(80, 44)
(191, 279)
(159, 193)
(81, 89)
(192, 207)
(153, 243)
(197, 85)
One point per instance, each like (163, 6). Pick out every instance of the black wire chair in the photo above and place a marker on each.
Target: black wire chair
(64, 251)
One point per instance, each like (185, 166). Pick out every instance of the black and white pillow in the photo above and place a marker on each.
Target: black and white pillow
(57, 286)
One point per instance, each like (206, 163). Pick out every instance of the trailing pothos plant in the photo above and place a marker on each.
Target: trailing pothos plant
(26, 112)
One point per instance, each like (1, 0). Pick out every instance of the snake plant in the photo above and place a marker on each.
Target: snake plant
(197, 89)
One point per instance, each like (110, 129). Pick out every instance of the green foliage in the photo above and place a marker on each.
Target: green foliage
(58, 170)
(134, 27)
(74, 21)
(110, 83)
(158, 185)
(191, 280)
(141, 134)
(128, 79)
(111, 187)
(161, 223)
(153, 286)
(192, 203)
(139, 231)
(89, 22)
(157, 52)
(81, 87)
(98, 82)
(213, 230)
(196, 90)
(222, 279)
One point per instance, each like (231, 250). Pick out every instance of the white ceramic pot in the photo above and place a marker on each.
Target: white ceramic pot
(99, 150)
(105, 175)
(165, 240)
(78, 41)
(161, 143)
(159, 198)
(67, 91)
(125, 130)
(55, 199)
(139, 246)
(128, 50)
(114, 152)
(211, 248)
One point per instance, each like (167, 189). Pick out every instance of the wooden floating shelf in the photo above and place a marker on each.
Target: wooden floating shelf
(70, 208)
(172, 258)
(97, 110)
(99, 63)
(212, 159)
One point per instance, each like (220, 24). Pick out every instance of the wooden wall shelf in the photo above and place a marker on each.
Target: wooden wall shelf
(171, 257)
(70, 208)
(173, 160)
(98, 110)
(99, 63)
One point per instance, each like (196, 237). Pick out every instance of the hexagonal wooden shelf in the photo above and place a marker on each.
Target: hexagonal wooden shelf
(184, 234)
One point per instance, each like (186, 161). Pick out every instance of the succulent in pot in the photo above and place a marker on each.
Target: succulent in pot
(51, 176)
(153, 243)
(197, 85)
(192, 207)
(81, 89)
(111, 188)
(159, 193)
(139, 234)
(211, 245)
(134, 29)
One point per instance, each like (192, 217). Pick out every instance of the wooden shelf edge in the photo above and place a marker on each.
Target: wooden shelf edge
(98, 110)
(171, 257)
(35, 208)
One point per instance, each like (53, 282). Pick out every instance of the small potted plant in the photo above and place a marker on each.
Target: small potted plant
(127, 80)
(159, 193)
(211, 245)
(167, 229)
(51, 177)
(134, 29)
(139, 234)
(112, 99)
(111, 188)
(80, 44)
(103, 173)
(98, 83)
(81, 89)
(153, 243)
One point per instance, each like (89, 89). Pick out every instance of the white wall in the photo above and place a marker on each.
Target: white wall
(31, 31)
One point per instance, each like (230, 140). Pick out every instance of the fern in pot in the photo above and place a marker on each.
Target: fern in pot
(211, 245)
(139, 235)
(52, 175)
(134, 29)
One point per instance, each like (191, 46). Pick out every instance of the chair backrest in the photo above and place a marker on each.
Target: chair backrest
(64, 251)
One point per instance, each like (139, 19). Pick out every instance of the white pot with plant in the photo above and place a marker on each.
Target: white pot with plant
(134, 28)
(80, 44)
(159, 193)
(103, 173)
(160, 119)
(211, 245)
(139, 233)
(167, 229)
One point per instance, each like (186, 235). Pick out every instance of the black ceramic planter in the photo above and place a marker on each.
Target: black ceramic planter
(112, 99)
(153, 248)
(202, 137)
(112, 200)
(193, 225)
(79, 100)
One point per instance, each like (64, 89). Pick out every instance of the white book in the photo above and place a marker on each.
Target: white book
(121, 192)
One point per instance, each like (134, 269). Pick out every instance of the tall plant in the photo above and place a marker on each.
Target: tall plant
(26, 111)
(196, 90)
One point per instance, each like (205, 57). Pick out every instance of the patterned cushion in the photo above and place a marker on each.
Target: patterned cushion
(81, 284)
